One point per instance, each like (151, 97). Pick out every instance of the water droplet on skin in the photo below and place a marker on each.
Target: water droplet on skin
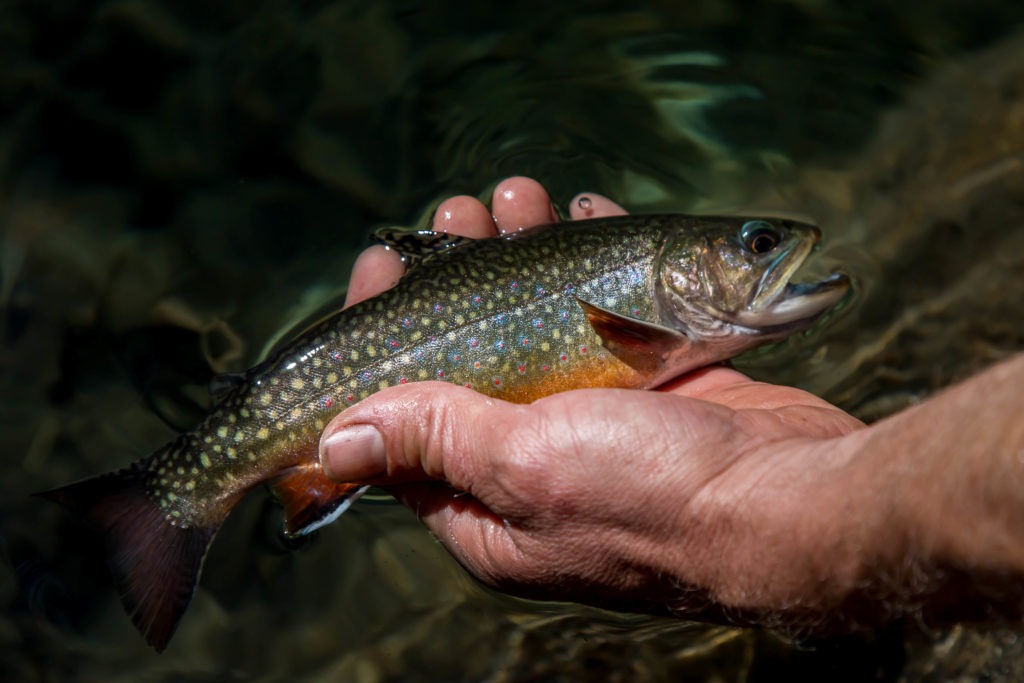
(584, 203)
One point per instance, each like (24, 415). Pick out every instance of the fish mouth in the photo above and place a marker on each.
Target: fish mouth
(779, 304)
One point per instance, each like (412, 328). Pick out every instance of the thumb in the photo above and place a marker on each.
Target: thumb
(417, 432)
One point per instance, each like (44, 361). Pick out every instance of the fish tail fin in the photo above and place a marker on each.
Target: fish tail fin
(156, 564)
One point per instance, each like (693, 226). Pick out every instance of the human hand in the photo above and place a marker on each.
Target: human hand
(705, 497)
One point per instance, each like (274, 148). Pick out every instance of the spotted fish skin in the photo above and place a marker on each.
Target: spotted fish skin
(515, 319)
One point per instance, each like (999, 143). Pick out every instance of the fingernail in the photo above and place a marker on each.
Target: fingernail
(353, 454)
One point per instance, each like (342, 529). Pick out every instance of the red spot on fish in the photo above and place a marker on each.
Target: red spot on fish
(350, 398)
(328, 402)
(476, 365)
(440, 374)
(563, 356)
(526, 341)
(403, 380)
(468, 385)
(497, 381)
(522, 369)
(583, 349)
(546, 368)
(336, 355)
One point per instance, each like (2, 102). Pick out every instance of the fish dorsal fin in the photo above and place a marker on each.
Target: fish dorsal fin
(416, 245)
(640, 344)
(310, 499)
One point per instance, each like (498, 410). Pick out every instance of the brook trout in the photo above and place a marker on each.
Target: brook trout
(631, 301)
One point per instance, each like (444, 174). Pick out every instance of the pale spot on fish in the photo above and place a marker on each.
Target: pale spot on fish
(297, 384)
(262, 433)
(239, 436)
(222, 432)
(332, 377)
(204, 459)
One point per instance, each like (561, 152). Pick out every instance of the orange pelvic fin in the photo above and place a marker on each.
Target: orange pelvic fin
(310, 499)
(156, 565)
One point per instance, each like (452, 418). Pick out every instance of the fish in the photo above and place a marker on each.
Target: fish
(630, 301)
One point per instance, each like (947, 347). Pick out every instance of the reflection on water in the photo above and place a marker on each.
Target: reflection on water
(183, 180)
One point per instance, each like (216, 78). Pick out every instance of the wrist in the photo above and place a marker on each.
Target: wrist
(794, 548)
(949, 546)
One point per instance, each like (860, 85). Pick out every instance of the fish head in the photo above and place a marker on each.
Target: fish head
(729, 276)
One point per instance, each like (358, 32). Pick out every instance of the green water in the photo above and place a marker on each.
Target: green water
(179, 181)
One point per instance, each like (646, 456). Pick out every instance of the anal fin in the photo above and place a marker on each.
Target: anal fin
(310, 499)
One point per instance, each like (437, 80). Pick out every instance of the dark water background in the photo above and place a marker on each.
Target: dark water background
(180, 181)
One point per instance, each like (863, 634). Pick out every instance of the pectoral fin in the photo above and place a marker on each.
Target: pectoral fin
(310, 499)
(640, 344)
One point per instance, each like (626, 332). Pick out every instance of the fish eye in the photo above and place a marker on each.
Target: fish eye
(760, 236)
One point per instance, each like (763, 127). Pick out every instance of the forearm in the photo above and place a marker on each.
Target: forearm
(952, 473)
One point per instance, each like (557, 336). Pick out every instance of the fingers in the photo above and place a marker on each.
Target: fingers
(591, 205)
(520, 203)
(376, 270)
(448, 420)
(517, 203)
(464, 215)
